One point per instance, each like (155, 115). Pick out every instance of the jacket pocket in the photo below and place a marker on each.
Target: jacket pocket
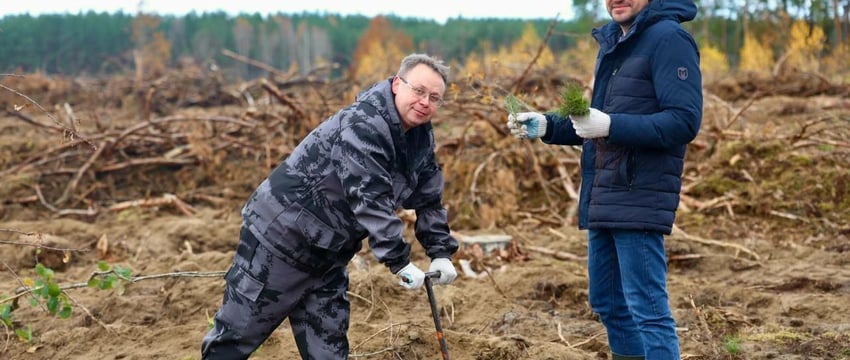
(317, 233)
(244, 283)
(323, 245)
(614, 166)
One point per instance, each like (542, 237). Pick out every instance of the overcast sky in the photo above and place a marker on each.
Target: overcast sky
(438, 10)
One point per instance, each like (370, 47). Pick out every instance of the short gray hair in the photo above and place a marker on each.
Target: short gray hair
(410, 61)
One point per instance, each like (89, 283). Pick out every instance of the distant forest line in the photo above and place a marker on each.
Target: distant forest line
(102, 43)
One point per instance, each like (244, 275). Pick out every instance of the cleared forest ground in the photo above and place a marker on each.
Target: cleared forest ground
(153, 179)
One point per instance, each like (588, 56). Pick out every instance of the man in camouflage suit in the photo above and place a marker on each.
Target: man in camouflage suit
(304, 223)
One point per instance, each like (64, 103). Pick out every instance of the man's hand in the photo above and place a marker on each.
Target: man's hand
(527, 125)
(411, 277)
(446, 269)
(596, 124)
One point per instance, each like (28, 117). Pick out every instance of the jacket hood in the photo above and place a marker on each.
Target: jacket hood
(677, 10)
(657, 10)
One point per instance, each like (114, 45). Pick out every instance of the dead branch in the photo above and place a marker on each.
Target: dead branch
(536, 56)
(560, 255)
(478, 169)
(61, 212)
(31, 121)
(24, 290)
(167, 199)
(703, 323)
(272, 89)
(580, 343)
(49, 115)
(537, 171)
(386, 328)
(741, 111)
(19, 232)
(495, 284)
(37, 244)
(90, 315)
(257, 64)
(110, 144)
(679, 234)
(146, 161)
(818, 142)
(160, 121)
(43, 155)
(567, 181)
(76, 180)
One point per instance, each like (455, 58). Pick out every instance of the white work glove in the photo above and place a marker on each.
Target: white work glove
(527, 125)
(411, 277)
(595, 124)
(446, 269)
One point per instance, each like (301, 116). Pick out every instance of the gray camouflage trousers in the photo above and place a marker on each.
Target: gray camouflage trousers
(262, 290)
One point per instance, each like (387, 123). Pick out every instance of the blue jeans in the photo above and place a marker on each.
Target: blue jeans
(628, 290)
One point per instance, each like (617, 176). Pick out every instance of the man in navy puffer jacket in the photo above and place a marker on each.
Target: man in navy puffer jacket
(646, 107)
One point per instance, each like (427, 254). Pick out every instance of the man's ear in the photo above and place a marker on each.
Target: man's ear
(395, 84)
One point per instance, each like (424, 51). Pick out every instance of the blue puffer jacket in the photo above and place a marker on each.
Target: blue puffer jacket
(649, 82)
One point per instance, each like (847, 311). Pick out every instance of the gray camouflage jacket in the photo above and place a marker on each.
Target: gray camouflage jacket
(345, 181)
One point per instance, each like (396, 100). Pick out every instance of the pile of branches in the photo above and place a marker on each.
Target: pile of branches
(210, 152)
(749, 85)
(147, 146)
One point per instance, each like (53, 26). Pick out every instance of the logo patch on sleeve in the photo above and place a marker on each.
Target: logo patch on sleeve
(682, 73)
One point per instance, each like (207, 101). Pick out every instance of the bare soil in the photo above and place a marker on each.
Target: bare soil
(759, 264)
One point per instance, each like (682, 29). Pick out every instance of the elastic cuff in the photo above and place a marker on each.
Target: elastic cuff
(396, 266)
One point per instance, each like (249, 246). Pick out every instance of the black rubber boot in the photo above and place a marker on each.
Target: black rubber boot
(624, 357)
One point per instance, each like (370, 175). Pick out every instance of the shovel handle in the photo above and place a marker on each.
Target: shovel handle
(435, 313)
(428, 275)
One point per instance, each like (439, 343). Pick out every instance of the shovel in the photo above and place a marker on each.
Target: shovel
(436, 313)
(444, 349)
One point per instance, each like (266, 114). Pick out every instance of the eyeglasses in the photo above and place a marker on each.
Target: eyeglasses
(422, 93)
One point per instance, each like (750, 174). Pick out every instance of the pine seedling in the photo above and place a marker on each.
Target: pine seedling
(514, 105)
(573, 101)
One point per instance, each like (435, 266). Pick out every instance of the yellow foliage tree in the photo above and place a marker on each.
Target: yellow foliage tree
(379, 51)
(513, 60)
(835, 66)
(152, 52)
(473, 66)
(713, 63)
(805, 46)
(580, 61)
(755, 56)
